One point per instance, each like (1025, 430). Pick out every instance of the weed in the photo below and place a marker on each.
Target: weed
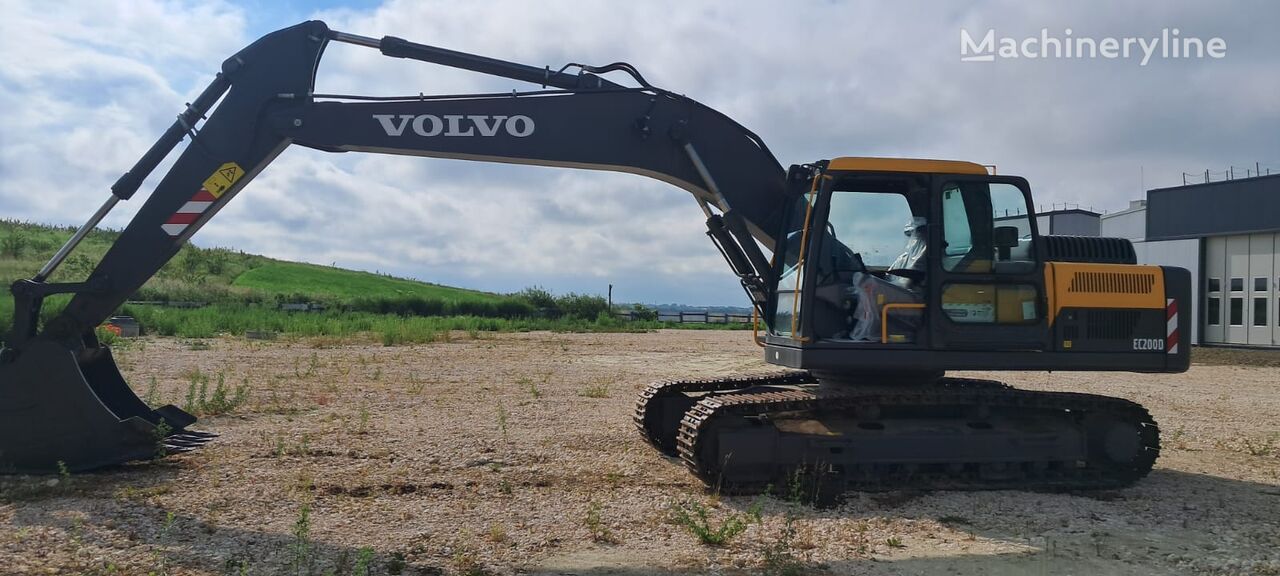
(416, 386)
(189, 405)
(595, 524)
(497, 534)
(163, 429)
(223, 399)
(364, 419)
(396, 564)
(377, 374)
(779, 560)
(301, 548)
(279, 449)
(505, 487)
(805, 483)
(161, 560)
(502, 421)
(595, 391)
(527, 382)
(696, 518)
(364, 560)
(152, 397)
(466, 564)
(63, 472)
(895, 542)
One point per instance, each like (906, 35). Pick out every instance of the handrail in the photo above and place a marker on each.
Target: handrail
(884, 316)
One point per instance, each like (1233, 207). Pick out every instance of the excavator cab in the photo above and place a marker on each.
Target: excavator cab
(876, 250)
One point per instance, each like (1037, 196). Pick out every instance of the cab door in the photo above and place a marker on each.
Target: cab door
(987, 275)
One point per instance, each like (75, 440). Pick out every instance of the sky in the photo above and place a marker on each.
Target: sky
(86, 87)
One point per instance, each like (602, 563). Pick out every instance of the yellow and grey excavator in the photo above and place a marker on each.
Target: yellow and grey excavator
(872, 276)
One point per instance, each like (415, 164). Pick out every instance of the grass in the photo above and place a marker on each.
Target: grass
(293, 278)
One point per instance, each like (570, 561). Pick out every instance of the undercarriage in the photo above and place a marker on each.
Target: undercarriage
(792, 431)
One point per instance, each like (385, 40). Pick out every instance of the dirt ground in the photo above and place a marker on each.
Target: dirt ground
(515, 454)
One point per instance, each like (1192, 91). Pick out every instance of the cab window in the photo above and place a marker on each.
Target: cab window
(986, 229)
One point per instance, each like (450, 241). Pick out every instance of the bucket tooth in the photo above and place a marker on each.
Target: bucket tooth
(62, 409)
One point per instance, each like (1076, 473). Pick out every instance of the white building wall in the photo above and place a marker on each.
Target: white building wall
(1075, 224)
(1131, 224)
(1180, 253)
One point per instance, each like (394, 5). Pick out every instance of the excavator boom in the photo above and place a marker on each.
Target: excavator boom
(261, 102)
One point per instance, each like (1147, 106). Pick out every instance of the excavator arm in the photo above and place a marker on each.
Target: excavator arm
(64, 400)
(575, 120)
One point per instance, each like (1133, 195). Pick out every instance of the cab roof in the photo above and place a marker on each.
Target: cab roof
(867, 164)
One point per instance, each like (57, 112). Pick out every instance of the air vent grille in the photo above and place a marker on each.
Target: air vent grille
(1110, 324)
(1112, 282)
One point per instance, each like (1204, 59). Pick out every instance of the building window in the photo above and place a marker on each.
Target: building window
(1237, 311)
(1260, 311)
(1215, 284)
(1214, 313)
(1259, 284)
(1237, 284)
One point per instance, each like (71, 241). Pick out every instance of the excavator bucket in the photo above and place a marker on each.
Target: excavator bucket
(59, 410)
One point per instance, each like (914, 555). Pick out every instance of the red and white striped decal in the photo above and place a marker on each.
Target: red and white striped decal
(189, 212)
(213, 188)
(1171, 313)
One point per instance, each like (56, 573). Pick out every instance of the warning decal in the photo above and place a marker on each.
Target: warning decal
(223, 178)
(213, 189)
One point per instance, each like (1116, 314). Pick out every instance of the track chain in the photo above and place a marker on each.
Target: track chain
(666, 388)
(948, 391)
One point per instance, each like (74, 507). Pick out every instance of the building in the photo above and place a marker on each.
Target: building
(1228, 235)
(1063, 222)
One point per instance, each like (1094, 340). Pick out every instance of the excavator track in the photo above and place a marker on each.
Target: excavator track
(956, 434)
(662, 404)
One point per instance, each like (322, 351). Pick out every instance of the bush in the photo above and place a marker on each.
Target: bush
(639, 312)
(540, 299)
(582, 306)
(15, 244)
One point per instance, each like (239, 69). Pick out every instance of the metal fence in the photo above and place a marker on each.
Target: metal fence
(692, 317)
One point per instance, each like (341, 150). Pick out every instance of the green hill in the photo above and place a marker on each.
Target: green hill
(294, 278)
(245, 292)
(225, 277)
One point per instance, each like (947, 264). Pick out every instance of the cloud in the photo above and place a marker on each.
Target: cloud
(87, 87)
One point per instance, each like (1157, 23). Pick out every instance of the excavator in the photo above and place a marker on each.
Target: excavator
(871, 278)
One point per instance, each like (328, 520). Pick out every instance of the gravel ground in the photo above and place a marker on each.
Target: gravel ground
(515, 454)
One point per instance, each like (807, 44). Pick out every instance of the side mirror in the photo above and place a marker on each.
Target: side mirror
(1004, 238)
